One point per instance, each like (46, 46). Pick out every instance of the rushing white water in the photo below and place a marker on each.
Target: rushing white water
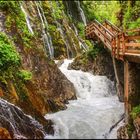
(46, 36)
(27, 19)
(94, 112)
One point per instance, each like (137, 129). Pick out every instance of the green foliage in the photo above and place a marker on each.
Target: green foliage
(135, 112)
(131, 19)
(52, 28)
(9, 6)
(8, 55)
(102, 10)
(16, 20)
(24, 75)
(89, 43)
(21, 89)
(88, 10)
(130, 129)
(58, 13)
(134, 24)
(81, 27)
(92, 52)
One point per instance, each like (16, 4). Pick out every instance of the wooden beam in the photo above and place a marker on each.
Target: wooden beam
(133, 30)
(126, 95)
(112, 25)
(118, 47)
(132, 37)
(132, 44)
(132, 57)
(132, 51)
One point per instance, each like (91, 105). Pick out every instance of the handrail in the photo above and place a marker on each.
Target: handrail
(119, 42)
(114, 26)
(104, 27)
(133, 30)
(102, 32)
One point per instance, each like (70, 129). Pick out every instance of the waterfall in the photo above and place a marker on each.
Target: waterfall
(19, 125)
(27, 19)
(95, 111)
(81, 12)
(46, 36)
(81, 42)
(59, 28)
(75, 29)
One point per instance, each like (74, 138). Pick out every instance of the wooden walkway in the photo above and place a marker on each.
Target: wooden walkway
(123, 45)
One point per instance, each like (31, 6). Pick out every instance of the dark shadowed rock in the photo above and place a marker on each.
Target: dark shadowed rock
(18, 124)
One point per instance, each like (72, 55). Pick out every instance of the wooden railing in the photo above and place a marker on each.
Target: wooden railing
(118, 42)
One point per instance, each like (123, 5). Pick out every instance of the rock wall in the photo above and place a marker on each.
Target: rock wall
(19, 125)
(131, 129)
(133, 85)
(48, 89)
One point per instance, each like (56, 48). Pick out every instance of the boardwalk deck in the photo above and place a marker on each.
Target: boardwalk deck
(123, 45)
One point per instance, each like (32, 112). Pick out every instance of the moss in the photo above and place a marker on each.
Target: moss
(24, 75)
(9, 59)
(135, 112)
(21, 90)
(80, 27)
(8, 55)
(16, 24)
(130, 129)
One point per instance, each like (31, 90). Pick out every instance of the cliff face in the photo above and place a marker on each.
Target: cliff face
(17, 124)
(32, 81)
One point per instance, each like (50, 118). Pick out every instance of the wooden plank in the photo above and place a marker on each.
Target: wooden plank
(132, 57)
(98, 23)
(132, 44)
(107, 43)
(123, 42)
(133, 30)
(132, 37)
(105, 35)
(115, 27)
(133, 51)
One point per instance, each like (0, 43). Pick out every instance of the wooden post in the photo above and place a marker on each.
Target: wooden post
(112, 44)
(126, 94)
(123, 43)
(118, 47)
(115, 47)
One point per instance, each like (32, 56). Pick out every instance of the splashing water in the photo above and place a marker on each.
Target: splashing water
(46, 36)
(27, 19)
(94, 112)
(81, 12)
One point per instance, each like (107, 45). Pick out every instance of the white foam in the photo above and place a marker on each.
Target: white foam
(93, 113)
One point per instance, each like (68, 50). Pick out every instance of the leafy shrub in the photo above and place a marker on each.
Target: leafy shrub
(130, 129)
(16, 18)
(10, 6)
(24, 75)
(8, 55)
(135, 112)
(92, 52)
(81, 27)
